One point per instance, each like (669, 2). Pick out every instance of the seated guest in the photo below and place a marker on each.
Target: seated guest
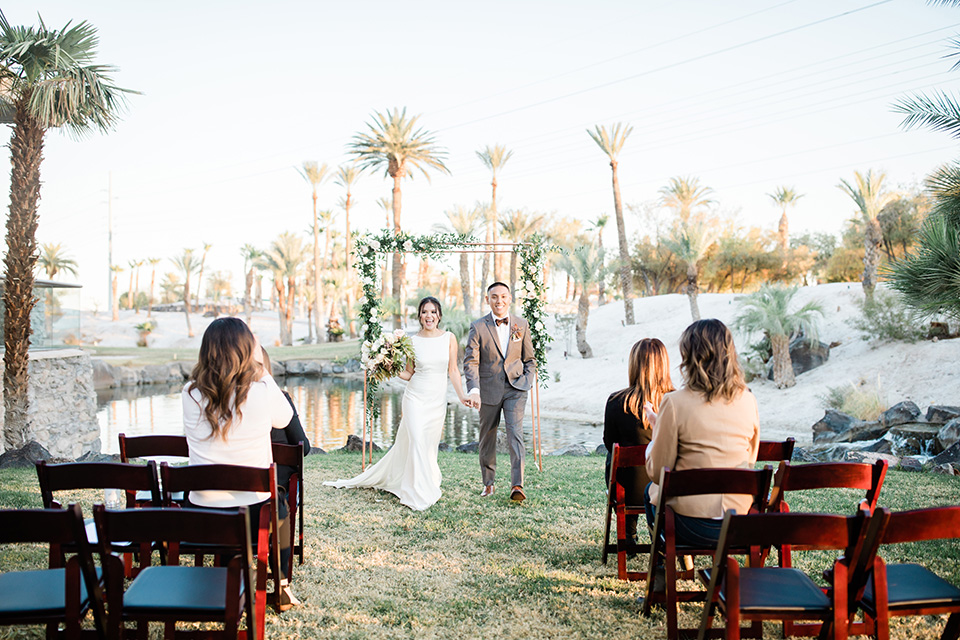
(230, 408)
(712, 422)
(624, 421)
(290, 434)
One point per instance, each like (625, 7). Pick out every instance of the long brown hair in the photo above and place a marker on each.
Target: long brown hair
(708, 360)
(649, 375)
(224, 372)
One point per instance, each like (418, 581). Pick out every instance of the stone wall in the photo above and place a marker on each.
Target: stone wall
(63, 403)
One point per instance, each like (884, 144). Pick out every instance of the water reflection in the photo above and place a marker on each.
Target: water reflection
(330, 409)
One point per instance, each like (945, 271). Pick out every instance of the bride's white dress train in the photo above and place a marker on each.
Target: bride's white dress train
(409, 470)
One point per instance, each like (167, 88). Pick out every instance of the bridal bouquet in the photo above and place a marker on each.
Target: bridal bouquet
(387, 356)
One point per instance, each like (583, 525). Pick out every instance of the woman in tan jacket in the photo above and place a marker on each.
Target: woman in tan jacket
(712, 422)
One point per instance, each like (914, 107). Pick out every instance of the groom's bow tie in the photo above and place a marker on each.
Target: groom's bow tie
(501, 321)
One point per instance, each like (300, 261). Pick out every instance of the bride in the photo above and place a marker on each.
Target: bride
(409, 469)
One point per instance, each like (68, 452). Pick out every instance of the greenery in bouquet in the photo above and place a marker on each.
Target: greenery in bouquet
(387, 356)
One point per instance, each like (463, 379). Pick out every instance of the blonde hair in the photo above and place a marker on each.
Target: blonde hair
(649, 375)
(224, 372)
(709, 361)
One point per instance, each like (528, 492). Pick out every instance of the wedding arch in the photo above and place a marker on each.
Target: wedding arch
(530, 293)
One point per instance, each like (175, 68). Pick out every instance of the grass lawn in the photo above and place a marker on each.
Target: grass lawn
(472, 568)
(140, 356)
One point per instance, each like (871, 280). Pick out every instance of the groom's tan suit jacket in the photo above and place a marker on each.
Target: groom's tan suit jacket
(490, 370)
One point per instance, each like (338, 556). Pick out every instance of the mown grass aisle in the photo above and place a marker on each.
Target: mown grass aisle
(472, 568)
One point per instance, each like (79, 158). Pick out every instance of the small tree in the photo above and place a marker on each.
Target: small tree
(585, 266)
(690, 242)
(768, 310)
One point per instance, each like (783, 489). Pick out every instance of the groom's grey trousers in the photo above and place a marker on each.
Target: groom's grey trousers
(512, 405)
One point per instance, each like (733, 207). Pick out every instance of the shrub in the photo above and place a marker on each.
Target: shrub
(887, 318)
(861, 401)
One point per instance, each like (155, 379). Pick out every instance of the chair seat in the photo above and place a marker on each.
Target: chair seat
(35, 593)
(911, 585)
(144, 496)
(193, 590)
(771, 589)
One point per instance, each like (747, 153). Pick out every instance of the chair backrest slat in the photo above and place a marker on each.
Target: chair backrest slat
(830, 475)
(204, 526)
(692, 482)
(41, 525)
(288, 454)
(96, 475)
(923, 524)
(153, 445)
(800, 530)
(775, 451)
(217, 477)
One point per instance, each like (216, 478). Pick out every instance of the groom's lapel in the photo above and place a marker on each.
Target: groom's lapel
(492, 331)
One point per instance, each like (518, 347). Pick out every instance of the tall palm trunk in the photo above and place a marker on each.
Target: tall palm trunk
(485, 267)
(626, 286)
(782, 364)
(130, 291)
(693, 290)
(26, 154)
(465, 284)
(601, 285)
(783, 232)
(397, 258)
(285, 337)
(317, 293)
(872, 239)
(186, 303)
(513, 280)
(113, 297)
(136, 290)
(583, 313)
(153, 279)
(497, 259)
(291, 299)
(247, 302)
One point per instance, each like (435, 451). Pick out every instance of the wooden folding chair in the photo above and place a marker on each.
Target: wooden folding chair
(908, 589)
(153, 446)
(292, 456)
(775, 451)
(227, 477)
(759, 593)
(172, 593)
(71, 476)
(621, 459)
(53, 595)
(754, 483)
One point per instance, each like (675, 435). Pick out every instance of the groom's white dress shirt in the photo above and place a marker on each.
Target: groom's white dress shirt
(503, 333)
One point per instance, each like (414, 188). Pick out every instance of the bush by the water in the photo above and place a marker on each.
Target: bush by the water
(887, 318)
(863, 401)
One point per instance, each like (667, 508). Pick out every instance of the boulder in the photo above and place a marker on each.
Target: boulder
(870, 458)
(833, 422)
(911, 463)
(338, 368)
(470, 447)
(806, 356)
(103, 375)
(25, 457)
(161, 373)
(355, 443)
(443, 447)
(577, 450)
(950, 455)
(949, 433)
(915, 438)
(91, 456)
(126, 376)
(942, 414)
(352, 365)
(945, 469)
(802, 455)
(880, 446)
(900, 413)
(317, 451)
(601, 450)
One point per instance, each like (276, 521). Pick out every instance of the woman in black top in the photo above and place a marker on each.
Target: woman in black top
(291, 434)
(624, 422)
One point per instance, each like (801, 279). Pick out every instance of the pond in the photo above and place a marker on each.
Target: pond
(330, 409)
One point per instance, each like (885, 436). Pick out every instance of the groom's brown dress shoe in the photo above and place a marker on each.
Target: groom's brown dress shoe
(517, 494)
(487, 491)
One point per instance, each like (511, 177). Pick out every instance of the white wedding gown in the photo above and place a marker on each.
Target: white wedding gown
(409, 470)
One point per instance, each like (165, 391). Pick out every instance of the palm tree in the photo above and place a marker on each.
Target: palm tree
(395, 144)
(153, 278)
(768, 310)
(49, 80)
(346, 176)
(203, 260)
(384, 203)
(870, 198)
(516, 226)
(133, 267)
(493, 158)
(611, 142)
(690, 242)
(316, 175)
(250, 255)
(464, 222)
(585, 266)
(598, 225)
(684, 196)
(284, 258)
(136, 286)
(188, 264)
(784, 197)
(218, 287)
(115, 269)
(53, 259)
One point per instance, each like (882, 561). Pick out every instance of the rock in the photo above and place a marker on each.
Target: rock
(126, 376)
(355, 443)
(577, 450)
(900, 413)
(942, 414)
(277, 370)
(806, 356)
(601, 450)
(950, 455)
(443, 447)
(338, 368)
(802, 455)
(25, 457)
(915, 438)
(470, 447)
(317, 451)
(103, 377)
(160, 373)
(949, 433)
(870, 458)
(880, 446)
(91, 456)
(833, 422)
(326, 369)
(910, 463)
(945, 469)
(352, 365)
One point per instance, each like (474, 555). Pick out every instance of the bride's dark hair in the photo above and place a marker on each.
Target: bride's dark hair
(436, 303)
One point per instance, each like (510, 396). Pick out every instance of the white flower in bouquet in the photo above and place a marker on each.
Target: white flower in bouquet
(408, 246)
(399, 333)
(540, 326)
(390, 338)
(374, 244)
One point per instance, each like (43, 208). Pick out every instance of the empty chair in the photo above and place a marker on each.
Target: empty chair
(827, 475)
(618, 505)
(775, 450)
(289, 461)
(172, 593)
(153, 446)
(55, 595)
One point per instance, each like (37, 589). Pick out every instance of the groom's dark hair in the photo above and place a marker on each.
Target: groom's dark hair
(498, 284)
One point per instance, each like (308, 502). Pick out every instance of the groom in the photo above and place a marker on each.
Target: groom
(500, 369)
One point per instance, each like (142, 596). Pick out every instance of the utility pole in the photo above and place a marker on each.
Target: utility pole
(110, 240)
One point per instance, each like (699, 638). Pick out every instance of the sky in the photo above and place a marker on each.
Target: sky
(745, 96)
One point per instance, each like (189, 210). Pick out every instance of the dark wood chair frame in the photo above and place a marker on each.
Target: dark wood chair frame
(150, 446)
(754, 483)
(61, 527)
(292, 455)
(752, 593)
(225, 477)
(617, 507)
(776, 450)
(167, 528)
(938, 523)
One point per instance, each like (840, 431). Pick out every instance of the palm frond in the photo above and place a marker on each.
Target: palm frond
(393, 142)
(494, 157)
(611, 141)
(929, 278)
(939, 111)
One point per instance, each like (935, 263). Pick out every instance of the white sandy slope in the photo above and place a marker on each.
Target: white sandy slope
(925, 372)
